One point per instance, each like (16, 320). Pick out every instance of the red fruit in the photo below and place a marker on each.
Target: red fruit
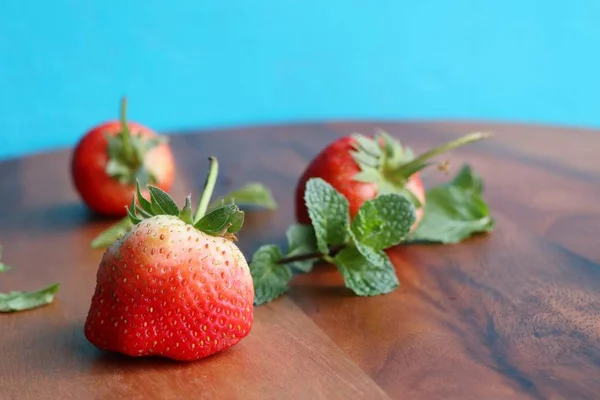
(361, 168)
(104, 173)
(173, 287)
(168, 289)
(336, 165)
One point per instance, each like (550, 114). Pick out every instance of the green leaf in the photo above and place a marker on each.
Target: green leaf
(367, 145)
(137, 211)
(467, 179)
(186, 212)
(236, 221)
(163, 201)
(132, 214)
(114, 148)
(270, 279)
(110, 235)
(375, 257)
(380, 169)
(116, 169)
(365, 160)
(369, 175)
(223, 219)
(20, 301)
(329, 213)
(126, 152)
(383, 222)
(145, 204)
(253, 194)
(455, 211)
(364, 277)
(148, 143)
(301, 240)
(395, 153)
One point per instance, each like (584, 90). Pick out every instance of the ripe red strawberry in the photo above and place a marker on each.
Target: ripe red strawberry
(109, 159)
(173, 286)
(361, 168)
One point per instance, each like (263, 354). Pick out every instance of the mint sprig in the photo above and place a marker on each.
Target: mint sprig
(355, 247)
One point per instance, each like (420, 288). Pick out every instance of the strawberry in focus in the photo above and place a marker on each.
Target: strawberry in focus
(175, 285)
(361, 168)
(109, 159)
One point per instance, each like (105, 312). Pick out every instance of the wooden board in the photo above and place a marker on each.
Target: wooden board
(511, 315)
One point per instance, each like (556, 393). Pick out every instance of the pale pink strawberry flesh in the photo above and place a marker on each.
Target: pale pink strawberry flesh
(168, 289)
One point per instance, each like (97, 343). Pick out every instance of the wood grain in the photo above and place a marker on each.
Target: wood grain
(511, 315)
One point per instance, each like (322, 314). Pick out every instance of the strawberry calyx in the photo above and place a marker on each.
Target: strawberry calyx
(384, 161)
(127, 151)
(225, 220)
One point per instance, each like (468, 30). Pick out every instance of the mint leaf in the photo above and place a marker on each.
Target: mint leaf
(110, 235)
(364, 277)
(162, 203)
(254, 194)
(270, 279)
(467, 179)
(455, 211)
(20, 301)
(301, 240)
(329, 213)
(227, 218)
(383, 222)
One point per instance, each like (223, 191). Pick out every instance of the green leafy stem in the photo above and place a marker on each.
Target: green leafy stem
(126, 151)
(252, 194)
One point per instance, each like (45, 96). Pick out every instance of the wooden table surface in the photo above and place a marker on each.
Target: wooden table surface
(511, 315)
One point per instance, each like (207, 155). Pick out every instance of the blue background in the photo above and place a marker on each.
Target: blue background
(213, 63)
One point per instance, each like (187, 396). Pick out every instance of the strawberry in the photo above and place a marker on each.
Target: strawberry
(361, 168)
(175, 285)
(112, 156)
